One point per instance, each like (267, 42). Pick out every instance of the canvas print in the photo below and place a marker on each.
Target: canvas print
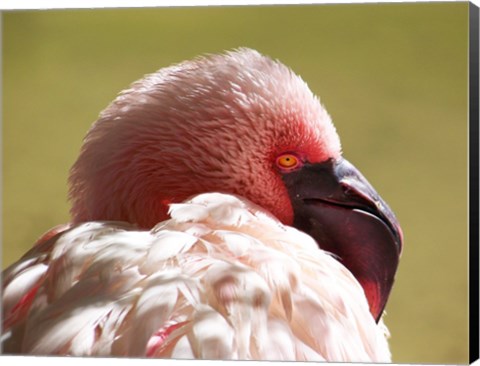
(250, 182)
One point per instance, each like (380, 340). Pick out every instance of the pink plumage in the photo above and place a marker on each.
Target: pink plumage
(212, 124)
(155, 263)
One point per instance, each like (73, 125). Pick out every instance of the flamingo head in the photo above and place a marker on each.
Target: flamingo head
(243, 124)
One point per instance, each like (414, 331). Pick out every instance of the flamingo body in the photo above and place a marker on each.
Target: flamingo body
(221, 279)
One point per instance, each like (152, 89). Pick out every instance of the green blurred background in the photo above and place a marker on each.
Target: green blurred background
(393, 77)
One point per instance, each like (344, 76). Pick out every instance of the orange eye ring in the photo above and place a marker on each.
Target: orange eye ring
(288, 162)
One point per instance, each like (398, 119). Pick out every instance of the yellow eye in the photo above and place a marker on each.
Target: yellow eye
(288, 161)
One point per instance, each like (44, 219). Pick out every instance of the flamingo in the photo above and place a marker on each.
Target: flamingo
(213, 216)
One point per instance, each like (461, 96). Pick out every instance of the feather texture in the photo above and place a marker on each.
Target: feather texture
(220, 279)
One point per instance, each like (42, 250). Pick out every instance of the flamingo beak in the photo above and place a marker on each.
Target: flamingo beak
(337, 206)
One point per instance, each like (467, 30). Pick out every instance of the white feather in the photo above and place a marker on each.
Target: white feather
(221, 279)
(22, 283)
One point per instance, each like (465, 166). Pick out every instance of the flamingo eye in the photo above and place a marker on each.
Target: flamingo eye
(288, 162)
